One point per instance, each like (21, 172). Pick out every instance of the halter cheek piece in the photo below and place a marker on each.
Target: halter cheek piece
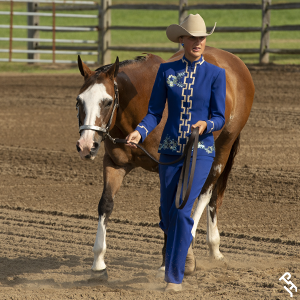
(97, 128)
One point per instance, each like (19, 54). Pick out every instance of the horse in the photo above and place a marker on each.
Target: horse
(112, 102)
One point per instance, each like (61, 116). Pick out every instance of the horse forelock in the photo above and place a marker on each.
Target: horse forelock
(89, 82)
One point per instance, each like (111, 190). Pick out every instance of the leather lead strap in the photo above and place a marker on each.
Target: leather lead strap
(187, 154)
(187, 184)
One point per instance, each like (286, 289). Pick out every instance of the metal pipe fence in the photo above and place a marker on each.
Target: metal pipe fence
(183, 8)
(54, 46)
(101, 45)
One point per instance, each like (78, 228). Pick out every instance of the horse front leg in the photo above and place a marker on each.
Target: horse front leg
(113, 177)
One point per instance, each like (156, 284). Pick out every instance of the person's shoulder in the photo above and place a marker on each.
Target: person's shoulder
(172, 64)
(214, 71)
(171, 67)
(214, 68)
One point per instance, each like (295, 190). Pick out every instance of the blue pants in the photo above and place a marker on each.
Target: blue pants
(177, 224)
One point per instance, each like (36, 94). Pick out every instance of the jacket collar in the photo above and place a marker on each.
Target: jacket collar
(200, 61)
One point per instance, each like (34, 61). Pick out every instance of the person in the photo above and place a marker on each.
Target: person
(196, 92)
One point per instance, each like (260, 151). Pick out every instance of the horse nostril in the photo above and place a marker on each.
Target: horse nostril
(78, 148)
(95, 145)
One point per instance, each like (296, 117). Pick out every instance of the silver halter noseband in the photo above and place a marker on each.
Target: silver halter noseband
(97, 128)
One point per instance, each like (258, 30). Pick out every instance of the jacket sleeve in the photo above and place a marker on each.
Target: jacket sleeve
(217, 103)
(156, 106)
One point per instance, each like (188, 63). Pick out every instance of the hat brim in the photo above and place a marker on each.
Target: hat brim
(175, 31)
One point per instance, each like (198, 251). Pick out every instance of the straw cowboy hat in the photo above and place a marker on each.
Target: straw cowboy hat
(192, 25)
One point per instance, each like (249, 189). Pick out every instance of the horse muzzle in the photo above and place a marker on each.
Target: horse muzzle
(88, 149)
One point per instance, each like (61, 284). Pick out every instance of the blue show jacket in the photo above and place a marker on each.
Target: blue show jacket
(195, 91)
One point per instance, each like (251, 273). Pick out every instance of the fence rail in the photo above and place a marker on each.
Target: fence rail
(7, 13)
(75, 2)
(50, 28)
(34, 49)
(103, 45)
(183, 8)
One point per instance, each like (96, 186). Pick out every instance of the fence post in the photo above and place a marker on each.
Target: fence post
(99, 57)
(32, 33)
(53, 33)
(182, 13)
(106, 23)
(11, 29)
(265, 33)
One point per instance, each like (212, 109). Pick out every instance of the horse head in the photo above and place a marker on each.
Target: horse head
(96, 103)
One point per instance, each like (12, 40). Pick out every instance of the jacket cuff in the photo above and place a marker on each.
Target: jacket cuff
(143, 132)
(210, 126)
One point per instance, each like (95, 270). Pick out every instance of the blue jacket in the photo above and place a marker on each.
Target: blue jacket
(195, 91)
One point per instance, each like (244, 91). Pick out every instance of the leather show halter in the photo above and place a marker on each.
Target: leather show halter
(97, 128)
(184, 185)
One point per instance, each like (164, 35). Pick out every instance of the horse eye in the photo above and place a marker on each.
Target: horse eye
(108, 103)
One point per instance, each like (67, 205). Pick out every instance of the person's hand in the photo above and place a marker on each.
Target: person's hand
(202, 126)
(133, 137)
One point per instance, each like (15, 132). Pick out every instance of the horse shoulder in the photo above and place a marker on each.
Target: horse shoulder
(135, 82)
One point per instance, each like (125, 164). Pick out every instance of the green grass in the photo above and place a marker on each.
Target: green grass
(286, 40)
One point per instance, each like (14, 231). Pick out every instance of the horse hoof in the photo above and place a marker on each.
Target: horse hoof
(190, 263)
(99, 275)
(191, 269)
(217, 256)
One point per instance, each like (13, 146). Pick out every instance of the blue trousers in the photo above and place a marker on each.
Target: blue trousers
(176, 223)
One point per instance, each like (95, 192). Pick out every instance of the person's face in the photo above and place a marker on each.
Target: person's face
(193, 46)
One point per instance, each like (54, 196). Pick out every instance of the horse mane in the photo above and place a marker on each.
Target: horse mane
(92, 79)
(121, 64)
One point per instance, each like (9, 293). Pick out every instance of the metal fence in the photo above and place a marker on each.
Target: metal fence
(102, 46)
(33, 49)
(183, 9)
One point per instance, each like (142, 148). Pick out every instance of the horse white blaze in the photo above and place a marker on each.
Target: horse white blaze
(92, 97)
(213, 236)
(202, 203)
(99, 248)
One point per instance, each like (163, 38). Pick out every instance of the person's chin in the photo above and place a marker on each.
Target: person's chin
(196, 54)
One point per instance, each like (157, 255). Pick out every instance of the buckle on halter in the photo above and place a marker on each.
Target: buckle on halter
(110, 137)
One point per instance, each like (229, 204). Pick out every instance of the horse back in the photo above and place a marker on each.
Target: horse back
(239, 87)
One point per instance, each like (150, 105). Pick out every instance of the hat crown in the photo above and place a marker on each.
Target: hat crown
(194, 23)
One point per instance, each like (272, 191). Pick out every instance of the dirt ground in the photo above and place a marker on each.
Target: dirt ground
(49, 198)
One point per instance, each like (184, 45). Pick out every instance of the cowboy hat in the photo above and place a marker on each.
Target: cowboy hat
(192, 25)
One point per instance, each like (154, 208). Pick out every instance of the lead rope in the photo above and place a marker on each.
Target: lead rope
(184, 185)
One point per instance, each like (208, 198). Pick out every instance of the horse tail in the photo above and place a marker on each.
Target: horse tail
(222, 180)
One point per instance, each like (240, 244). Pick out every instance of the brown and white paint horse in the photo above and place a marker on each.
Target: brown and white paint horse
(134, 80)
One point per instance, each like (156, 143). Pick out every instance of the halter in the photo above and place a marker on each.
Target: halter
(97, 128)
(192, 146)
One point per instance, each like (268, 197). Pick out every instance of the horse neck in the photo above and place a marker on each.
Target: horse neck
(135, 85)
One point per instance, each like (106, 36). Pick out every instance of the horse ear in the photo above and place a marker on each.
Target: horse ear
(113, 70)
(83, 68)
